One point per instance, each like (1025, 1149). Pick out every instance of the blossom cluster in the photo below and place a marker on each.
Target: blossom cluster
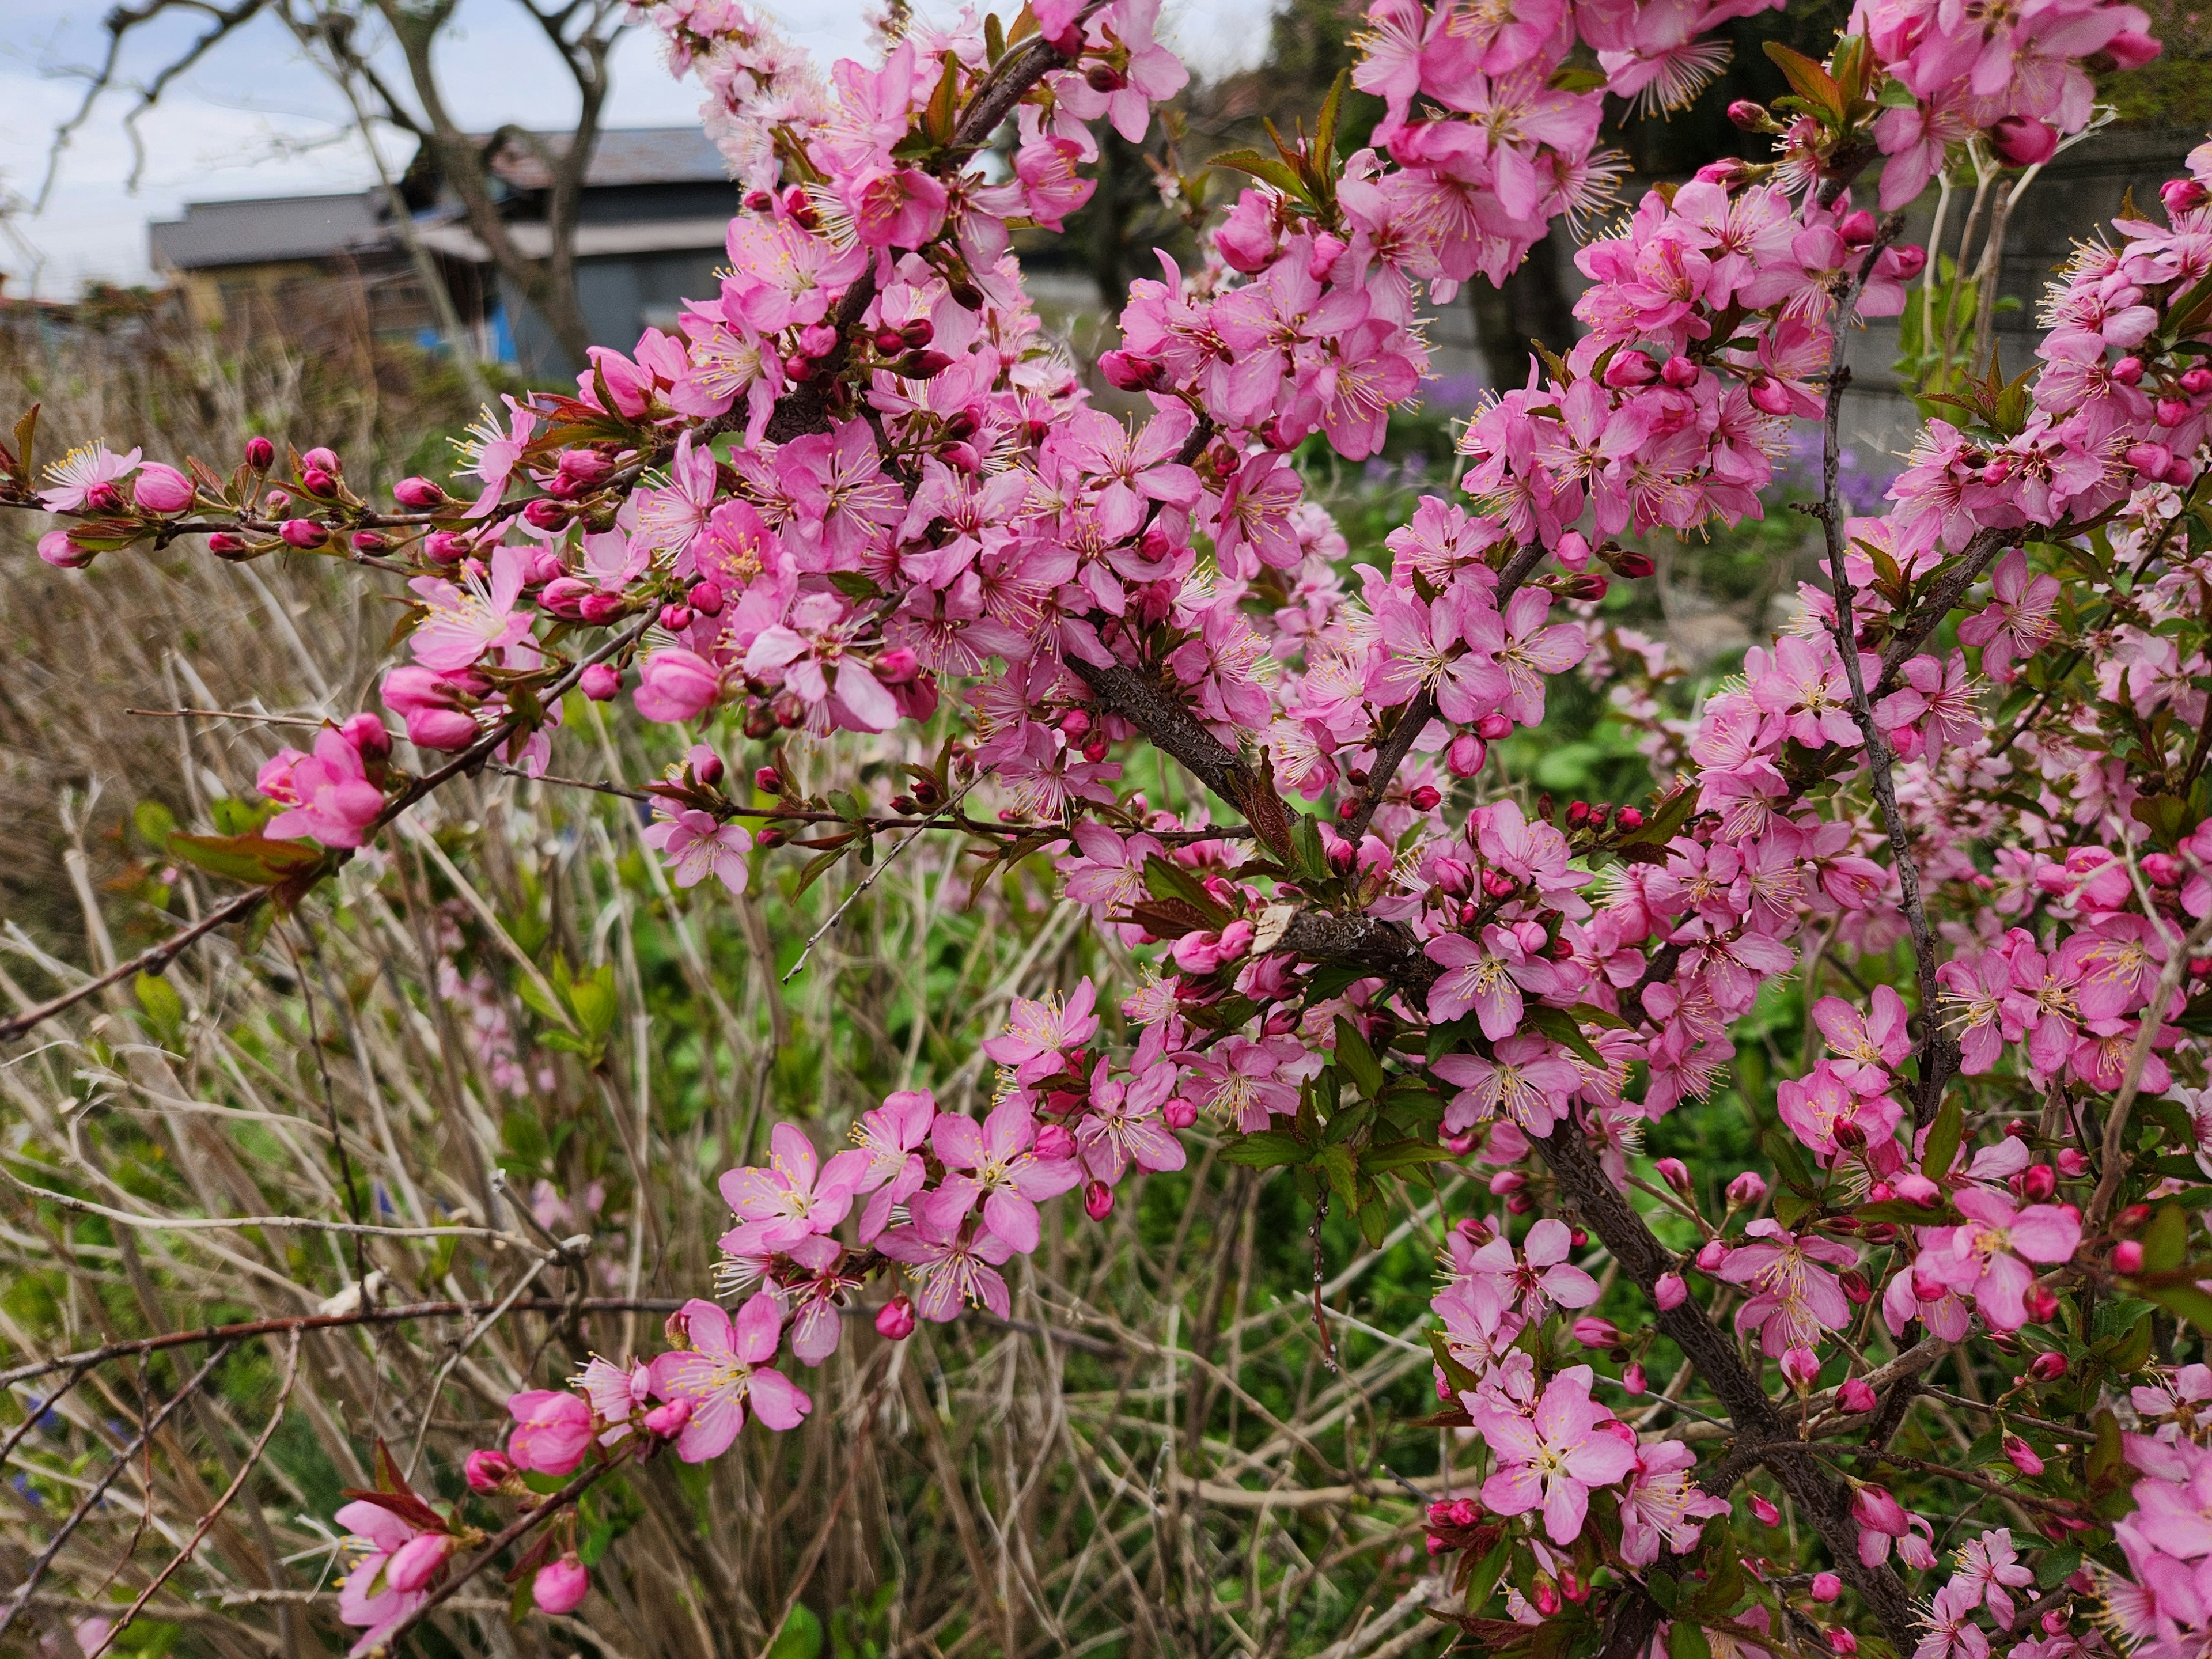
(857, 491)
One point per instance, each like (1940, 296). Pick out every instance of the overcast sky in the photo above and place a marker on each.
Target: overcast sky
(255, 119)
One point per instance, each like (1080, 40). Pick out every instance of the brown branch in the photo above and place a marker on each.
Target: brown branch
(523, 1524)
(1760, 1426)
(1938, 1049)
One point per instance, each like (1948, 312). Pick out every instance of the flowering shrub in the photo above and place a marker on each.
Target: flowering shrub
(858, 490)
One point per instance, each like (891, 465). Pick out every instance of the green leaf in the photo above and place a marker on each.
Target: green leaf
(1943, 1138)
(1788, 1162)
(1324, 143)
(1790, 1207)
(995, 38)
(1402, 1154)
(2187, 1301)
(155, 823)
(1458, 1376)
(164, 1008)
(1895, 94)
(1266, 169)
(1815, 85)
(1571, 77)
(1358, 1059)
(1340, 1164)
(1558, 1024)
(1306, 847)
(1168, 881)
(800, 1637)
(1685, 1638)
(1374, 1222)
(854, 585)
(1265, 1148)
(2165, 1241)
(253, 858)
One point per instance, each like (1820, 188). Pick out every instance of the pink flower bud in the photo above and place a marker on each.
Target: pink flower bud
(260, 454)
(1546, 1598)
(1711, 1255)
(1629, 369)
(1179, 1114)
(367, 735)
(445, 547)
(1910, 259)
(1679, 372)
(2022, 1455)
(1857, 1396)
(1842, 1641)
(1674, 1173)
(600, 682)
(160, 489)
(56, 548)
(2128, 1256)
(1746, 1190)
(895, 1320)
(1763, 1510)
(1751, 117)
(2047, 1367)
(1670, 1292)
(1630, 817)
(2170, 411)
(1098, 1201)
(897, 665)
(1800, 1368)
(2128, 371)
(1826, 1587)
(1857, 229)
(2180, 195)
(1466, 756)
(561, 1586)
(1326, 249)
(667, 1421)
(676, 617)
(597, 608)
(316, 482)
(2039, 1180)
(415, 1562)
(1507, 1181)
(1769, 396)
(2040, 1301)
(487, 1471)
(707, 598)
(417, 493)
(1632, 1380)
(1053, 1144)
(2023, 141)
(2197, 381)
(1593, 1331)
(321, 459)
(303, 533)
(1126, 371)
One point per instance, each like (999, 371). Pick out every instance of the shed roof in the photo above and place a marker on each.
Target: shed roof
(266, 228)
(623, 156)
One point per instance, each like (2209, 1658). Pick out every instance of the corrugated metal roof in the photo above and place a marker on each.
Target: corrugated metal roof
(623, 156)
(264, 229)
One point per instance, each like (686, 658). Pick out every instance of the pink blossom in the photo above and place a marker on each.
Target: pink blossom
(724, 1370)
(1553, 1458)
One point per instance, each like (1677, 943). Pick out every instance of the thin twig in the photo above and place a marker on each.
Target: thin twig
(238, 1482)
